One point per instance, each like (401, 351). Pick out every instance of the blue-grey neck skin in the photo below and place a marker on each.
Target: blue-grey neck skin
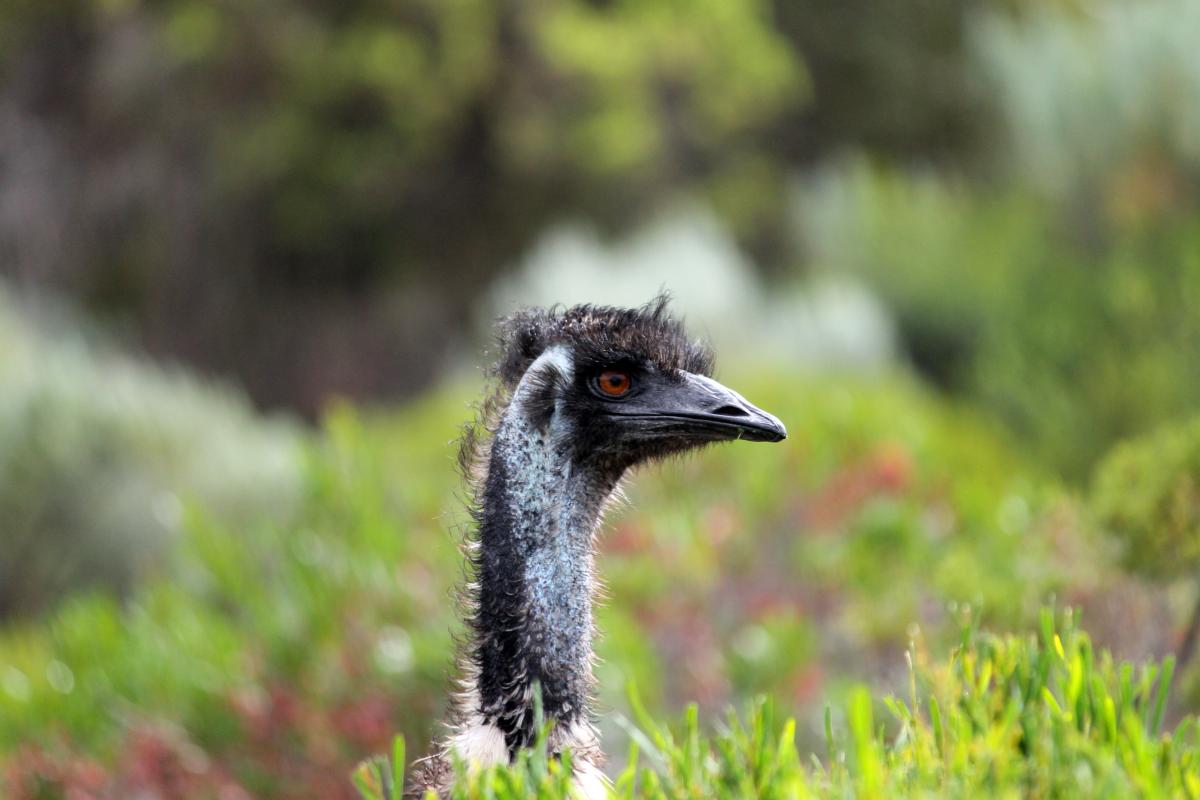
(533, 620)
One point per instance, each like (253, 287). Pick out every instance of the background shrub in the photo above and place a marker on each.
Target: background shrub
(1074, 343)
(1146, 493)
(99, 454)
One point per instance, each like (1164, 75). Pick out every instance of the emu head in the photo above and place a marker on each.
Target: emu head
(621, 386)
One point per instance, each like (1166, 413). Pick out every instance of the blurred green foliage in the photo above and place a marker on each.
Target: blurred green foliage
(1060, 288)
(1147, 494)
(893, 79)
(312, 196)
(385, 105)
(1075, 342)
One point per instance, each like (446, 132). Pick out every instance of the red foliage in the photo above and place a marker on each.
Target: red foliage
(807, 683)
(159, 761)
(366, 722)
(293, 743)
(887, 470)
(627, 537)
(33, 773)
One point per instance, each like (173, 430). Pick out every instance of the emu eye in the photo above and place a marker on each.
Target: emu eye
(613, 383)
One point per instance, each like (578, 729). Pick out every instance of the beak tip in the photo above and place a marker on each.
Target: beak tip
(778, 429)
(768, 430)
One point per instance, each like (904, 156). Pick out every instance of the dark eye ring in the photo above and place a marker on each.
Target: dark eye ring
(613, 383)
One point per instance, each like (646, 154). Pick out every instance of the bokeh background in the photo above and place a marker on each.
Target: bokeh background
(250, 257)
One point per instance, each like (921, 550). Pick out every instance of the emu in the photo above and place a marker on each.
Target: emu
(583, 395)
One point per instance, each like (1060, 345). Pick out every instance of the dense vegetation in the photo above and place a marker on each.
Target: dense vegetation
(1037, 716)
(97, 452)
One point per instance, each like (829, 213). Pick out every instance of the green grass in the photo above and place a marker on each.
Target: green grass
(1035, 716)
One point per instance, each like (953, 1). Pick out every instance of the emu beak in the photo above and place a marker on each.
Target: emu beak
(700, 408)
(708, 407)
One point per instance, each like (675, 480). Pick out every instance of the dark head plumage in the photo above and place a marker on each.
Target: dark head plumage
(601, 335)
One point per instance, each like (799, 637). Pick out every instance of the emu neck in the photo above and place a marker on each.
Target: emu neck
(534, 617)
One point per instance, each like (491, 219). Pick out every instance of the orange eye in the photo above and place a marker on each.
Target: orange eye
(613, 382)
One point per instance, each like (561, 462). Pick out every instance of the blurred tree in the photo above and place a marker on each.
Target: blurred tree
(311, 194)
(889, 77)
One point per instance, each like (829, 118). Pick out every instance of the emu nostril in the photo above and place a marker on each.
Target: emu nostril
(731, 411)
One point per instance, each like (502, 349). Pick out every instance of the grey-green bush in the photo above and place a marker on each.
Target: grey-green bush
(1097, 100)
(100, 452)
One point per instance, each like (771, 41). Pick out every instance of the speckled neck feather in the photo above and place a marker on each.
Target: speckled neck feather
(533, 619)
